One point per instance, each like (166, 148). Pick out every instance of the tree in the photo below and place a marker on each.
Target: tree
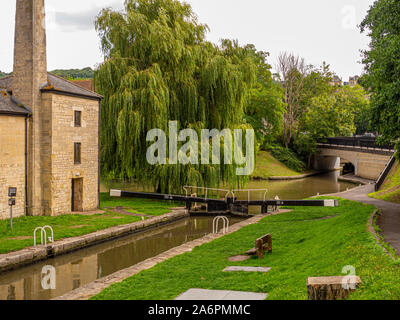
(330, 116)
(265, 107)
(158, 67)
(335, 111)
(292, 71)
(3, 74)
(75, 74)
(382, 66)
(361, 106)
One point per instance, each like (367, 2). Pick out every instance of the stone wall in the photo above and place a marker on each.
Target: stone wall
(64, 135)
(326, 163)
(368, 165)
(12, 163)
(29, 74)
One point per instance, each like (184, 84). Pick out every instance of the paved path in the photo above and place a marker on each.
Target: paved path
(389, 221)
(355, 179)
(220, 295)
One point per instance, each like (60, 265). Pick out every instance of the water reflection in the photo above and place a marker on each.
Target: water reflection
(304, 188)
(87, 265)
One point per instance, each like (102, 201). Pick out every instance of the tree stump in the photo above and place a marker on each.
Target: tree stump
(332, 288)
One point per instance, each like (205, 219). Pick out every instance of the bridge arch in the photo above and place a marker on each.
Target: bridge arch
(368, 162)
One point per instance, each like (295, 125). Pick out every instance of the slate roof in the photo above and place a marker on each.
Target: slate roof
(5, 83)
(10, 106)
(56, 84)
(59, 84)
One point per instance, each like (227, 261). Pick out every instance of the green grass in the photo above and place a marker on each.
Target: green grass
(390, 190)
(67, 226)
(141, 206)
(267, 166)
(302, 247)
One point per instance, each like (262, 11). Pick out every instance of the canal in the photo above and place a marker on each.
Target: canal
(286, 189)
(82, 267)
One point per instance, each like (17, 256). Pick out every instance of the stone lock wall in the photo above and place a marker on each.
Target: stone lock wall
(64, 135)
(12, 164)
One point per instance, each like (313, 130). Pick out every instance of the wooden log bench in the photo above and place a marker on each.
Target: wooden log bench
(262, 244)
(331, 288)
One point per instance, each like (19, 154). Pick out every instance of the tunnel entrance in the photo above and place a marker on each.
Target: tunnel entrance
(348, 168)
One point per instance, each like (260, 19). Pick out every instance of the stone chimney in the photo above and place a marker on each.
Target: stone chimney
(30, 73)
(30, 62)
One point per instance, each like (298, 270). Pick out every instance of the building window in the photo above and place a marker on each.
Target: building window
(77, 153)
(78, 118)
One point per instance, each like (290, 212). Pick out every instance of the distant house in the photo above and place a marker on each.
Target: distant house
(336, 81)
(353, 81)
(86, 84)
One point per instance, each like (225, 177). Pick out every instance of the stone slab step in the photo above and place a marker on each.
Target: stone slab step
(220, 295)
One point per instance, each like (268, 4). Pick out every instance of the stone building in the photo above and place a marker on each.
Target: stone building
(49, 129)
(336, 81)
(353, 81)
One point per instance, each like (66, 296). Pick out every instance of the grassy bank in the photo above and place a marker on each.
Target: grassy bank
(303, 246)
(390, 190)
(68, 226)
(138, 206)
(267, 166)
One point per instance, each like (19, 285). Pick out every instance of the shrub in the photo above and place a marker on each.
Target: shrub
(286, 156)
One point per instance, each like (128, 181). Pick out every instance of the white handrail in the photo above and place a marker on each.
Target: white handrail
(34, 235)
(43, 232)
(228, 192)
(52, 233)
(206, 190)
(225, 226)
(249, 192)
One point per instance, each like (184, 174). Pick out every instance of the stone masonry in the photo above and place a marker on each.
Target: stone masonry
(12, 163)
(64, 134)
(49, 104)
(30, 73)
(369, 164)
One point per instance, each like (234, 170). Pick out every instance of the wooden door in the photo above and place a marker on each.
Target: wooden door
(77, 195)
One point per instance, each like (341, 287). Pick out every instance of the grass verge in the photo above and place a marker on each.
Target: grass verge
(304, 245)
(267, 166)
(390, 190)
(140, 206)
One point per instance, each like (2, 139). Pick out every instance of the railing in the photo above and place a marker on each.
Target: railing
(225, 224)
(43, 235)
(206, 191)
(356, 142)
(385, 173)
(248, 191)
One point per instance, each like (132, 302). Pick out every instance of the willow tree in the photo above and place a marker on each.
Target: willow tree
(159, 68)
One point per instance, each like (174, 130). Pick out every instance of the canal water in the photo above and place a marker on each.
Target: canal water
(84, 266)
(288, 189)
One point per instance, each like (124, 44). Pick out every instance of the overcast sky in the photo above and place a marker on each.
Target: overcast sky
(318, 30)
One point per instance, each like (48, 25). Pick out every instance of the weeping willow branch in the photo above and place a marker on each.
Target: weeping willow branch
(158, 68)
